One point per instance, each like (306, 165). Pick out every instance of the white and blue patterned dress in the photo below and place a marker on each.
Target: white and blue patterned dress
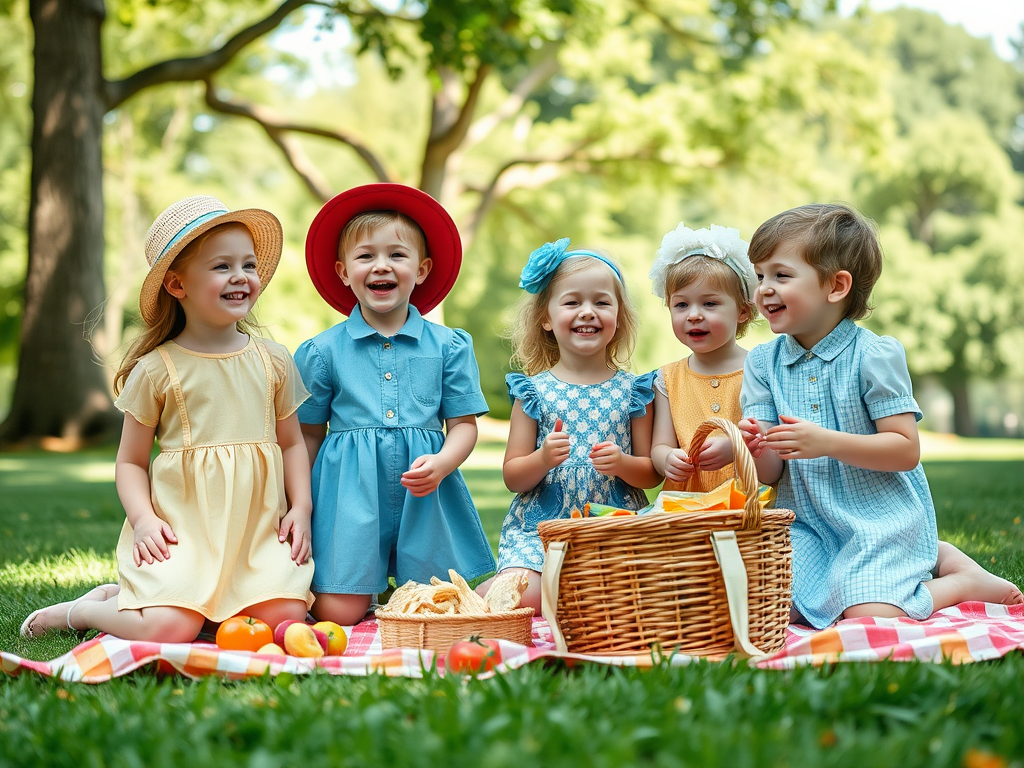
(591, 413)
(860, 536)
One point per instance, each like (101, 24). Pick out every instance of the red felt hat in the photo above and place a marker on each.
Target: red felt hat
(444, 246)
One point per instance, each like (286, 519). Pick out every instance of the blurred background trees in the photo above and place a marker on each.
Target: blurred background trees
(606, 122)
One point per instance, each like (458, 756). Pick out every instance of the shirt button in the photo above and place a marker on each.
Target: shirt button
(813, 379)
(387, 345)
(715, 407)
(715, 383)
(387, 376)
(391, 414)
(809, 355)
(815, 406)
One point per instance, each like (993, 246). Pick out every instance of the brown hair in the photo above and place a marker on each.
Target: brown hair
(719, 275)
(363, 224)
(535, 350)
(171, 321)
(833, 237)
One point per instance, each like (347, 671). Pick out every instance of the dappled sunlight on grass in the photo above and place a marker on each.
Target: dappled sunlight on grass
(935, 446)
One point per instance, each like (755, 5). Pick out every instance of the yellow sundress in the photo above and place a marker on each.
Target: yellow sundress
(218, 479)
(694, 398)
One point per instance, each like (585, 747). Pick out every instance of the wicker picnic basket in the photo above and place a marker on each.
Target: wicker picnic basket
(700, 583)
(438, 632)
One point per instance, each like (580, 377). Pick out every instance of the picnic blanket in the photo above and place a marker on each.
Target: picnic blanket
(964, 633)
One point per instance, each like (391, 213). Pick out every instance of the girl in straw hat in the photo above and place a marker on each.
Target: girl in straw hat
(400, 395)
(219, 523)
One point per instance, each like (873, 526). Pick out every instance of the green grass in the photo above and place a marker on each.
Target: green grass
(59, 519)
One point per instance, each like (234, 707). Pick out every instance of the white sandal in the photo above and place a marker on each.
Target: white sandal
(28, 632)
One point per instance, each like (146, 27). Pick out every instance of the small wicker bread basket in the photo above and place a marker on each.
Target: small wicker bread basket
(438, 632)
(700, 583)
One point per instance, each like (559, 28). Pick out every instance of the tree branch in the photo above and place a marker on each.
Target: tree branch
(682, 35)
(538, 74)
(278, 128)
(445, 139)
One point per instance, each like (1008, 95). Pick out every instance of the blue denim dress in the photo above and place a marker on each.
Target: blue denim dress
(860, 536)
(385, 401)
(591, 413)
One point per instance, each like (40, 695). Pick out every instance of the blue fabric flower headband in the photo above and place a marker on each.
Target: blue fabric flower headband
(543, 262)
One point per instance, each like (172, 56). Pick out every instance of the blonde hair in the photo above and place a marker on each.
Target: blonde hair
(833, 238)
(171, 320)
(364, 223)
(535, 350)
(719, 276)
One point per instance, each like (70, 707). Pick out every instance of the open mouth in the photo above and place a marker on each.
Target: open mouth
(773, 309)
(698, 335)
(382, 286)
(236, 296)
(585, 330)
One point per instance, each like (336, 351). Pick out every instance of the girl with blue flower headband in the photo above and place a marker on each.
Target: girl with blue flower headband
(580, 429)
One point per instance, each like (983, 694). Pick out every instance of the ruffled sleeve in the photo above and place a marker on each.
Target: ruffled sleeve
(885, 380)
(460, 384)
(317, 379)
(522, 388)
(659, 382)
(289, 393)
(641, 395)
(141, 397)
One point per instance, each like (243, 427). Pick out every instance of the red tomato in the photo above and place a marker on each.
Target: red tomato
(473, 656)
(244, 633)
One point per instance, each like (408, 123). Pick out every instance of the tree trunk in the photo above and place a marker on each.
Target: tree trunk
(61, 390)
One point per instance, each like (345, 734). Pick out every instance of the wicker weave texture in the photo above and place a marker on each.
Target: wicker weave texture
(438, 633)
(632, 583)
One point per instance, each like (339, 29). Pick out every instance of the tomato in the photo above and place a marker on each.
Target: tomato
(473, 656)
(244, 633)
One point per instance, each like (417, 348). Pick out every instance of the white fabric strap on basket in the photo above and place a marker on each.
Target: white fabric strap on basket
(734, 574)
(549, 578)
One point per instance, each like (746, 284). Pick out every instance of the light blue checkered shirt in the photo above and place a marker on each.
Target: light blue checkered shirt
(860, 536)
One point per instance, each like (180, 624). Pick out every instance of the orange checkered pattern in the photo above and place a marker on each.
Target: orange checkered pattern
(965, 633)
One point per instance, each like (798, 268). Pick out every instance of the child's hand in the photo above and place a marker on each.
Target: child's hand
(798, 439)
(296, 525)
(678, 467)
(425, 474)
(555, 448)
(715, 454)
(152, 536)
(606, 457)
(752, 436)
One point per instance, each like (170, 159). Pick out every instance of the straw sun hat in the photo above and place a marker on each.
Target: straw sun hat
(444, 246)
(186, 220)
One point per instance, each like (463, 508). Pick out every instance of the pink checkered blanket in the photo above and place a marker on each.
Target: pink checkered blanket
(965, 633)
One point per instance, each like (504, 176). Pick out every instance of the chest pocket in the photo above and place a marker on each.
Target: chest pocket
(424, 375)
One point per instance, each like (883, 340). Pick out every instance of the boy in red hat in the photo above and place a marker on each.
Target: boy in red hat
(394, 401)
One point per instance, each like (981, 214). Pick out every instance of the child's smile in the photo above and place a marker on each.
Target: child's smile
(583, 311)
(705, 318)
(791, 295)
(382, 269)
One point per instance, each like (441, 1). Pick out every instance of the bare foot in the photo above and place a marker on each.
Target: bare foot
(57, 617)
(973, 582)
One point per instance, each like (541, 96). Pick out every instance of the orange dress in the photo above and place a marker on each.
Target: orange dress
(693, 398)
(218, 479)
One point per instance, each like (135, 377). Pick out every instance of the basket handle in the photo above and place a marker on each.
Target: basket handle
(734, 573)
(549, 578)
(743, 464)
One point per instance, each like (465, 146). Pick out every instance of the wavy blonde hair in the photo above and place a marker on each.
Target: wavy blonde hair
(534, 350)
(172, 316)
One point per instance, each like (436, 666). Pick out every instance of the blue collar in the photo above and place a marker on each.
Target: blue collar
(828, 349)
(358, 328)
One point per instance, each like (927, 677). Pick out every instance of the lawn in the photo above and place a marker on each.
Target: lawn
(59, 519)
